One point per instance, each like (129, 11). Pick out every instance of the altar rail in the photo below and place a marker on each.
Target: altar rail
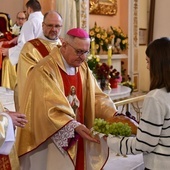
(133, 100)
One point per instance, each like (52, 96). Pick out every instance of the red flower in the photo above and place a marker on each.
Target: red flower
(114, 73)
(104, 71)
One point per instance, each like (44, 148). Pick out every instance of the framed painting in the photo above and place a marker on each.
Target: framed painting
(103, 7)
(142, 36)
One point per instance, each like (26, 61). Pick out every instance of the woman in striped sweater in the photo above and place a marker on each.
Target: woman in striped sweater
(153, 135)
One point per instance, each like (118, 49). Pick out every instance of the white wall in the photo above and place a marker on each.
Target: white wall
(162, 19)
(143, 71)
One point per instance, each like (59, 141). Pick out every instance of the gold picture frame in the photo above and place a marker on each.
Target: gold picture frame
(103, 7)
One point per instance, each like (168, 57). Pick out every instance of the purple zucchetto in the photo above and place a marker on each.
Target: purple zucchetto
(78, 32)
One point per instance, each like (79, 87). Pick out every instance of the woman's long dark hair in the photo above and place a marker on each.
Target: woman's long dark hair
(158, 52)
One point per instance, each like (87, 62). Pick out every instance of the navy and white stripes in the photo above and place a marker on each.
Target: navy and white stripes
(153, 135)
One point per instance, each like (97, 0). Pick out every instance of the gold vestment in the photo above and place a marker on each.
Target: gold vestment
(9, 74)
(48, 110)
(28, 58)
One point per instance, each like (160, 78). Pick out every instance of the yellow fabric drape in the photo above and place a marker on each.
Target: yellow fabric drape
(9, 74)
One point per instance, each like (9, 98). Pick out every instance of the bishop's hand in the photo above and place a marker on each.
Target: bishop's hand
(85, 133)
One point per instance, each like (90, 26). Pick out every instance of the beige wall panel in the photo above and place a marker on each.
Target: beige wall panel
(12, 7)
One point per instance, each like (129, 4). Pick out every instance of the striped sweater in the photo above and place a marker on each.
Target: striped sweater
(153, 135)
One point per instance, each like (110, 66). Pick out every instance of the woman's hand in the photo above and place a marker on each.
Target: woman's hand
(85, 133)
(18, 119)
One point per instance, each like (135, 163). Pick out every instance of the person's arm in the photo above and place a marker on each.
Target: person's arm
(7, 135)
(70, 133)
(148, 133)
(25, 35)
(8, 121)
(18, 119)
(6, 45)
(13, 41)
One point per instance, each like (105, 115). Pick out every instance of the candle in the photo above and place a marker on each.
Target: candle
(109, 61)
(93, 46)
(113, 41)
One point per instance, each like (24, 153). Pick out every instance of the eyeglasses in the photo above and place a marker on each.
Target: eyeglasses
(21, 18)
(50, 26)
(79, 52)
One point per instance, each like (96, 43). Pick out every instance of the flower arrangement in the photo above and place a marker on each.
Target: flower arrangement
(15, 30)
(101, 37)
(105, 71)
(9, 35)
(113, 36)
(102, 71)
(92, 61)
(109, 77)
(128, 83)
(120, 40)
(114, 74)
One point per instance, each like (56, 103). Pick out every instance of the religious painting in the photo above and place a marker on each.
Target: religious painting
(103, 7)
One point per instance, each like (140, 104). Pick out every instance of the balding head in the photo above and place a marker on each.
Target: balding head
(20, 18)
(52, 25)
(49, 13)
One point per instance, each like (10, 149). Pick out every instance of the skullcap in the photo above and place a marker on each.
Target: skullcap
(78, 32)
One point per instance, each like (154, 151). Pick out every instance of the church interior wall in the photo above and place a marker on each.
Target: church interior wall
(11, 7)
(120, 19)
(143, 24)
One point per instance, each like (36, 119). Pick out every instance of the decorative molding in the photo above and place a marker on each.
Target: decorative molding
(135, 23)
(83, 14)
(133, 34)
(103, 7)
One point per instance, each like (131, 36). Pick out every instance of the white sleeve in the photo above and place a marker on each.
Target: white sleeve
(8, 143)
(25, 35)
(14, 54)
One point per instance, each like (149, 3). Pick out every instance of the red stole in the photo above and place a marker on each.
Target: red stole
(5, 162)
(39, 46)
(75, 80)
